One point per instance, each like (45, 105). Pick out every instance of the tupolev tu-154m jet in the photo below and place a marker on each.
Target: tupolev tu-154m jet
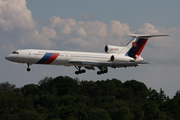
(115, 56)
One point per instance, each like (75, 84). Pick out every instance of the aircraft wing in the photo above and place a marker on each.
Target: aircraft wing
(106, 64)
(115, 65)
(82, 63)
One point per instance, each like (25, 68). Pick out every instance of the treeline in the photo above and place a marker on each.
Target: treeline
(65, 98)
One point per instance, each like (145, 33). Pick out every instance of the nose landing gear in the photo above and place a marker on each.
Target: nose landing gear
(28, 69)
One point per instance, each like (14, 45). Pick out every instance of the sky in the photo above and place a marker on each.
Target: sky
(89, 26)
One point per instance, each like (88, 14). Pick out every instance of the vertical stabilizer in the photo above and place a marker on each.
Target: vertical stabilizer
(136, 45)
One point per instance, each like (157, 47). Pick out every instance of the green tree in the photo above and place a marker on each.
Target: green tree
(45, 80)
(151, 110)
(30, 89)
(95, 90)
(29, 115)
(155, 96)
(135, 91)
(6, 86)
(122, 113)
(67, 98)
(63, 86)
(108, 87)
(98, 114)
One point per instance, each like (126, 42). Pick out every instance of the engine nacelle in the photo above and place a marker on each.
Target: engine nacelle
(113, 49)
(121, 58)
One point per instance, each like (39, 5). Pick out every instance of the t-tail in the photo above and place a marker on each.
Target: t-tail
(136, 45)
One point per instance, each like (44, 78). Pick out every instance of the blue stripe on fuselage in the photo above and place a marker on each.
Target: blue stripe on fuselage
(44, 58)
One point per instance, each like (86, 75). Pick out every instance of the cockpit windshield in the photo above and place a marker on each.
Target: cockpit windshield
(15, 52)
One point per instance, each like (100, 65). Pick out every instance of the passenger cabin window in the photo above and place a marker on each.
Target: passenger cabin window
(15, 52)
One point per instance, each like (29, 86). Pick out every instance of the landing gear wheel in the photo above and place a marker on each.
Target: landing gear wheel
(83, 71)
(99, 72)
(28, 69)
(105, 71)
(76, 72)
(102, 70)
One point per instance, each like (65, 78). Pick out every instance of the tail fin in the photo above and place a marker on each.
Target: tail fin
(136, 45)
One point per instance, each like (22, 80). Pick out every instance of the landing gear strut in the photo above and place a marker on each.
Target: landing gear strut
(79, 70)
(28, 69)
(102, 70)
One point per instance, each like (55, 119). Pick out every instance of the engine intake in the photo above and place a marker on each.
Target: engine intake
(112, 58)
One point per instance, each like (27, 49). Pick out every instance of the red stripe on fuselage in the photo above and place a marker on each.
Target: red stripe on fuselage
(52, 58)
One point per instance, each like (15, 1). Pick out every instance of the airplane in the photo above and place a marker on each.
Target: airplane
(115, 56)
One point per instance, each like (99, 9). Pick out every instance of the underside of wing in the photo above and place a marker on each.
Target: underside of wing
(90, 64)
(81, 63)
(115, 65)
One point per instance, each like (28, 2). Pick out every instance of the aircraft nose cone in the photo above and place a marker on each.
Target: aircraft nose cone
(8, 57)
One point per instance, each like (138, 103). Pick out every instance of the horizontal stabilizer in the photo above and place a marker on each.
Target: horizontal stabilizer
(136, 45)
(145, 35)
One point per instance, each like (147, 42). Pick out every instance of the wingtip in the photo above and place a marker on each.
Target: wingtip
(146, 63)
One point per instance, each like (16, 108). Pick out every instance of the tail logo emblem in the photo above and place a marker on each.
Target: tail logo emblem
(134, 44)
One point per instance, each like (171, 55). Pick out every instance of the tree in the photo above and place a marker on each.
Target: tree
(108, 87)
(162, 95)
(135, 91)
(98, 114)
(66, 98)
(151, 110)
(95, 90)
(30, 89)
(29, 115)
(64, 85)
(45, 80)
(155, 96)
(6, 86)
(122, 113)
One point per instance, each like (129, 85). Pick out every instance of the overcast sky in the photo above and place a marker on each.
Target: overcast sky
(81, 25)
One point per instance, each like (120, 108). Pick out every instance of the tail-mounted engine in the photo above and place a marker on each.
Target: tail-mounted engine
(113, 49)
(121, 58)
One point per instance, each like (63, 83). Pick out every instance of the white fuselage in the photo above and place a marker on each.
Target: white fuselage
(53, 57)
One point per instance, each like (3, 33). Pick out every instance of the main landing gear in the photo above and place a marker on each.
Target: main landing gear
(79, 70)
(28, 69)
(102, 70)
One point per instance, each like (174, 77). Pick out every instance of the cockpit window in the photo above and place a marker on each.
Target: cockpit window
(15, 52)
